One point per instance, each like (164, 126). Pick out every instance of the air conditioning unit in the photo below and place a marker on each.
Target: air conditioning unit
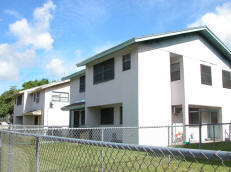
(177, 110)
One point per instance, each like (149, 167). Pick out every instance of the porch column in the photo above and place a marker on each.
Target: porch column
(185, 109)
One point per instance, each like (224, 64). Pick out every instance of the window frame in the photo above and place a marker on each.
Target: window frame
(19, 100)
(226, 83)
(102, 70)
(175, 71)
(59, 97)
(192, 111)
(126, 60)
(102, 116)
(206, 77)
(82, 84)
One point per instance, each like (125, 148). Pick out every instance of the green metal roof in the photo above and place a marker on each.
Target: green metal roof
(81, 72)
(203, 31)
(74, 106)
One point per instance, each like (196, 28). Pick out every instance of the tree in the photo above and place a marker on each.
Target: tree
(31, 84)
(7, 102)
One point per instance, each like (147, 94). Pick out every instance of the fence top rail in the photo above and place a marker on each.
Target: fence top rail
(116, 127)
(181, 152)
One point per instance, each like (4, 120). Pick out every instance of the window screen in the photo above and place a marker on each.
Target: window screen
(107, 116)
(206, 76)
(104, 71)
(82, 84)
(226, 79)
(126, 62)
(175, 71)
(19, 100)
(60, 96)
(193, 116)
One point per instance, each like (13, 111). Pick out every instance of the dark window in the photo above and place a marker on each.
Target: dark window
(76, 119)
(206, 76)
(36, 120)
(19, 100)
(226, 79)
(193, 116)
(107, 116)
(15, 101)
(82, 84)
(60, 96)
(121, 115)
(126, 62)
(104, 71)
(37, 97)
(83, 118)
(175, 71)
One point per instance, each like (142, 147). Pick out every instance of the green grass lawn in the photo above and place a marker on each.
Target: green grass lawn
(70, 157)
(222, 146)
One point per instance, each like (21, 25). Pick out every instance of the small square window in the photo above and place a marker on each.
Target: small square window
(175, 71)
(126, 62)
(206, 75)
(226, 79)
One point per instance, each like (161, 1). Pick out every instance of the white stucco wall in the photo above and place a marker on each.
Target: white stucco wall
(55, 116)
(154, 94)
(123, 89)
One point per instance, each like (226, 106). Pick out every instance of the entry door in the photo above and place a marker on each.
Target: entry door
(214, 119)
(36, 120)
(76, 119)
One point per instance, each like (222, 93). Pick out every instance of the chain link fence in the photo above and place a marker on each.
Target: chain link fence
(39, 153)
(200, 136)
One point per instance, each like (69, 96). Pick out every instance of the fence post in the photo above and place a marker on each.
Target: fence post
(37, 154)
(213, 136)
(102, 136)
(200, 125)
(168, 135)
(10, 154)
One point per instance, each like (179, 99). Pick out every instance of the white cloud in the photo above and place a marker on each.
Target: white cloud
(8, 71)
(56, 67)
(32, 35)
(13, 13)
(35, 33)
(219, 22)
(103, 47)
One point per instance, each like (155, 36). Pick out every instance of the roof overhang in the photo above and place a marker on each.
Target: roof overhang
(74, 106)
(203, 30)
(33, 113)
(76, 74)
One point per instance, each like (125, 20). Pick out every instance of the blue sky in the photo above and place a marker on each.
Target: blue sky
(45, 39)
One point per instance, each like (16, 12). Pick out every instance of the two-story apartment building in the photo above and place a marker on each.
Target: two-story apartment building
(181, 77)
(42, 105)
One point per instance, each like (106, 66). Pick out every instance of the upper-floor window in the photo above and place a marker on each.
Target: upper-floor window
(82, 84)
(36, 97)
(104, 71)
(107, 116)
(126, 62)
(60, 96)
(226, 79)
(19, 100)
(206, 75)
(175, 71)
